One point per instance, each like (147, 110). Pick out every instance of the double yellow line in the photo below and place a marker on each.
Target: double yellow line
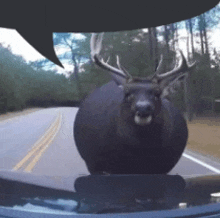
(38, 149)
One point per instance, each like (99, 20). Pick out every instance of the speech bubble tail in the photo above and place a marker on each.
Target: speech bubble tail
(42, 40)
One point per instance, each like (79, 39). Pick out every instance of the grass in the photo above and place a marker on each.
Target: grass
(10, 115)
(204, 136)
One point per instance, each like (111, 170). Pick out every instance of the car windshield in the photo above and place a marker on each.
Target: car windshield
(131, 123)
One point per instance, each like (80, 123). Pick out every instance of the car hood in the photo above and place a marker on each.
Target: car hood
(108, 193)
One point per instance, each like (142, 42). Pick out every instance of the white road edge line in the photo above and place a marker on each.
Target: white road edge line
(202, 163)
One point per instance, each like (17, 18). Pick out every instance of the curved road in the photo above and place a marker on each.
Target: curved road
(42, 143)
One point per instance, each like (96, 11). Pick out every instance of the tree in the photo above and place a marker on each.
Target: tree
(177, 35)
(166, 37)
(72, 50)
(187, 38)
(156, 56)
(76, 50)
(190, 23)
(172, 35)
(153, 46)
(150, 42)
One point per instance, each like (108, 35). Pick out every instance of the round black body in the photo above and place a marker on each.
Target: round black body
(108, 146)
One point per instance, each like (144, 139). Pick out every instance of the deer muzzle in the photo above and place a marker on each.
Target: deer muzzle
(143, 113)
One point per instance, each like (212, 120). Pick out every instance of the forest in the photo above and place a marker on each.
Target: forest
(39, 84)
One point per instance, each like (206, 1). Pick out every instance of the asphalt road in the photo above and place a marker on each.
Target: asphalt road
(42, 143)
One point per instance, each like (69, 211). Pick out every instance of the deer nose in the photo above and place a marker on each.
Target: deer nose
(144, 108)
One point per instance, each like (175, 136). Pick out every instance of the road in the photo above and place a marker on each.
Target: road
(42, 143)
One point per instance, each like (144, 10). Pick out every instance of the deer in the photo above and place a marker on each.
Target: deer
(129, 125)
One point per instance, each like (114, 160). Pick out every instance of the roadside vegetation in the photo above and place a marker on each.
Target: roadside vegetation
(204, 136)
(38, 84)
(22, 86)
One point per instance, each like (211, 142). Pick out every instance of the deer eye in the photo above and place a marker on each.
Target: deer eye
(157, 93)
(150, 92)
(129, 96)
(156, 97)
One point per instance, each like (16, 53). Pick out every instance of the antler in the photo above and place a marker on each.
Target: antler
(95, 46)
(183, 67)
(162, 78)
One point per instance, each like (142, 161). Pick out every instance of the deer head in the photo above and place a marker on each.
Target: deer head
(142, 96)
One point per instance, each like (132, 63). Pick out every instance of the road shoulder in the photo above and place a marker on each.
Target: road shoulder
(10, 115)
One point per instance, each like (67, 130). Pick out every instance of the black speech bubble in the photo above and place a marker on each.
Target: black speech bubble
(37, 20)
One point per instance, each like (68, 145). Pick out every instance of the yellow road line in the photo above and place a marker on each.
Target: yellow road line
(36, 146)
(43, 142)
(44, 148)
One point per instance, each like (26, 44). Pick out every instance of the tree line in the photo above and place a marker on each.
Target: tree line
(33, 85)
(22, 87)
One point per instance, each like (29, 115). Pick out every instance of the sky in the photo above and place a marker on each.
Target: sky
(21, 47)
(18, 44)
